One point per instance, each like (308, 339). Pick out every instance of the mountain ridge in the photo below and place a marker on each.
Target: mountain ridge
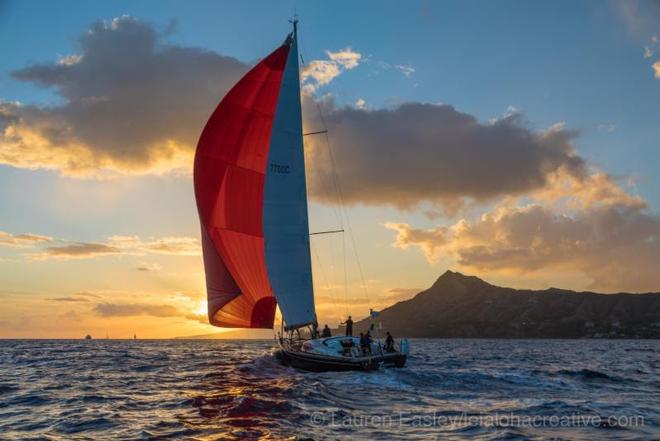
(462, 306)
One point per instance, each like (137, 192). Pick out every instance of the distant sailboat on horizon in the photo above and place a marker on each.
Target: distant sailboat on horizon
(250, 189)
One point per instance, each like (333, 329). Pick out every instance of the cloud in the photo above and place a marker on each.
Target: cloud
(433, 153)
(183, 246)
(607, 127)
(194, 296)
(135, 309)
(200, 318)
(429, 240)
(146, 309)
(149, 267)
(641, 16)
(22, 240)
(79, 250)
(132, 103)
(332, 302)
(87, 294)
(597, 190)
(398, 294)
(405, 69)
(78, 297)
(600, 232)
(319, 73)
(347, 58)
(69, 60)
(126, 245)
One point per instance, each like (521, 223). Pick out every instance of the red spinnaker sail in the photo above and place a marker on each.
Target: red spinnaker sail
(230, 167)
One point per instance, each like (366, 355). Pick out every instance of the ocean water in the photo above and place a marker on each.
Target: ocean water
(226, 390)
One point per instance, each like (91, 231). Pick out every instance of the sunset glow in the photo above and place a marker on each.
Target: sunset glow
(451, 147)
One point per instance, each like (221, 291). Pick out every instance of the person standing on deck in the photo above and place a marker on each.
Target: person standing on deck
(389, 342)
(365, 343)
(349, 326)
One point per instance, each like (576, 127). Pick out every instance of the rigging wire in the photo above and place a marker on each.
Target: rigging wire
(337, 213)
(323, 276)
(340, 209)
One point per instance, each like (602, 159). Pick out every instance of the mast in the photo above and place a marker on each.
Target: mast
(295, 27)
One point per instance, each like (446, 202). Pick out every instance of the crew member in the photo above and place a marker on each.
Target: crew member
(349, 326)
(389, 343)
(364, 344)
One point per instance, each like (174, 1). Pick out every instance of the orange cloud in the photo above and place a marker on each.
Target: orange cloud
(127, 245)
(78, 250)
(111, 123)
(69, 299)
(319, 73)
(22, 240)
(112, 310)
(183, 246)
(656, 69)
(594, 228)
(135, 309)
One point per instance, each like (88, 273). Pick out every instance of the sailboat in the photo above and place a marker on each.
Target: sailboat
(250, 189)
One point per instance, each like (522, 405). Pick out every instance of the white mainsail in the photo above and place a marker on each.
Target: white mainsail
(285, 220)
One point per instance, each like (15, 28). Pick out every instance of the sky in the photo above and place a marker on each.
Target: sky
(515, 141)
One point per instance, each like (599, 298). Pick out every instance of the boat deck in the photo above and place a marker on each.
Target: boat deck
(339, 353)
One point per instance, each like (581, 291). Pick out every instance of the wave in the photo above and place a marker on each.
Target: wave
(587, 375)
(238, 390)
(8, 388)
